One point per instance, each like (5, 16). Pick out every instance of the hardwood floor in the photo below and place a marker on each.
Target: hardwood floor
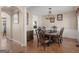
(68, 46)
(10, 46)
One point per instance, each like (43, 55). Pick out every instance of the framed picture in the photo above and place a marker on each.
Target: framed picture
(16, 18)
(59, 17)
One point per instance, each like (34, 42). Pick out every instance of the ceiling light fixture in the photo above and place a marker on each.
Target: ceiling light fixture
(50, 16)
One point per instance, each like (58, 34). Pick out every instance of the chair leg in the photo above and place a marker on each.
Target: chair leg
(59, 42)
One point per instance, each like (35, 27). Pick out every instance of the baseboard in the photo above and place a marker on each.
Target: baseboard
(69, 38)
(18, 42)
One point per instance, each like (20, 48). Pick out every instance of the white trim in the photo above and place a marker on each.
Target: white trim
(23, 45)
(25, 26)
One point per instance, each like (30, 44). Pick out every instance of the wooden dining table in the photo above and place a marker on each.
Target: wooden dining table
(51, 35)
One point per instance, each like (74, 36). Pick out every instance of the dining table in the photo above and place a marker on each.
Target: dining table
(51, 34)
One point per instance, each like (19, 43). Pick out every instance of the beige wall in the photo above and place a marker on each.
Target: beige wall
(39, 20)
(30, 21)
(18, 30)
(69, 22)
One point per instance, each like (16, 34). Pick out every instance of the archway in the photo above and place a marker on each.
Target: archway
(7, 13)
(16, 32)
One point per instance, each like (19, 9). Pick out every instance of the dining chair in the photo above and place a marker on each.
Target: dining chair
(44, 28)
(41, 39)
(38, 38)
(54, 28)
(61, 35)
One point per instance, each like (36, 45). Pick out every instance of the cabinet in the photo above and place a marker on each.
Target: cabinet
(30, 35)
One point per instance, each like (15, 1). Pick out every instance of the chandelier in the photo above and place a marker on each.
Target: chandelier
(50, 16)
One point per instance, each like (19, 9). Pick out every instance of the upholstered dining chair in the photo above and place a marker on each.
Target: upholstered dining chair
(41, 39)
(61, 35)
(54, 28)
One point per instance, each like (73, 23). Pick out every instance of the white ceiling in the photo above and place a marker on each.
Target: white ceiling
(43, 10)
(10, 10)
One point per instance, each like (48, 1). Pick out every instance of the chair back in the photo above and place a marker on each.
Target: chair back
(44, 28)
(54, 28)
(39, 34)
(61, 31)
